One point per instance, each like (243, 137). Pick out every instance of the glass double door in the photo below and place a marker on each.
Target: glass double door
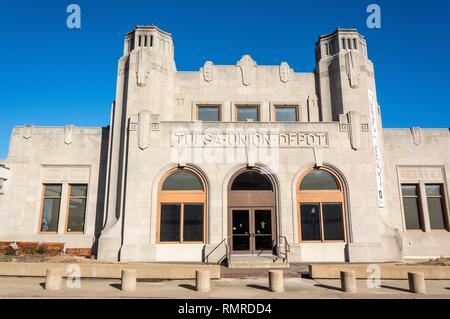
(253, 230)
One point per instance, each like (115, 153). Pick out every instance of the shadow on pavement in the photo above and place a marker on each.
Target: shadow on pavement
(258, 287)
(187, 286)
(328, 287)
(395, 288)
(117, 286)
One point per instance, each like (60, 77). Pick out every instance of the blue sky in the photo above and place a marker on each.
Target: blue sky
(51, 75)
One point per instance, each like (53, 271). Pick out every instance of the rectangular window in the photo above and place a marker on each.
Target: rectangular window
(435, 206)
(333, 225)
(322, 222)
(286, 114)
(411, 206)
(246, 113)
(208, 113)
(50, 208)
(310, 222)
(170, 222)
(77, 208)
(193, 222)
(182, 222)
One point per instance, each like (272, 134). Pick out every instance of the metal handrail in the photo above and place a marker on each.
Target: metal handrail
(205, 259)
(287, 248)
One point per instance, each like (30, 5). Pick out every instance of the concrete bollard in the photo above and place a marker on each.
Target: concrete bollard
(202, 281)
(53, 279)
(417, 282)
(129, 279)
(348, 281)
(276, 282)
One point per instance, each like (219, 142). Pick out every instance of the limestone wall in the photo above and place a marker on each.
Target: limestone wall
(422, 155)
(62, 155)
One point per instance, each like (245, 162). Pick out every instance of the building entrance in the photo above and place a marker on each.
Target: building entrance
(251, 214)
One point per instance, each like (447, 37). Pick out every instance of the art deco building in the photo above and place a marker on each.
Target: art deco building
(231, 161)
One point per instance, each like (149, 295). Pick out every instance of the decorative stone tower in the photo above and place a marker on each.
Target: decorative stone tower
(344, 72)
(346, 84)
(145, 82)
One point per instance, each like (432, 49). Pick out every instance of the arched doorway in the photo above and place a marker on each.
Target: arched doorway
(251, 213)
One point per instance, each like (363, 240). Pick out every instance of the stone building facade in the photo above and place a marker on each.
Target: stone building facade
(233, 160)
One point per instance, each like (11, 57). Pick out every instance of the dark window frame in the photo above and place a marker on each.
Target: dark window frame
(219, 111)
(44, 197)
(237, 107)
(70, 197)
(181, 226)
(442, 198)
(287, 106)
(417, 197)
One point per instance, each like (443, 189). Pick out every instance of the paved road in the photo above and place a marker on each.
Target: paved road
(301, 288)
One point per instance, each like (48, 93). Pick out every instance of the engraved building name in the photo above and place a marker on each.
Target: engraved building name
(200, 139)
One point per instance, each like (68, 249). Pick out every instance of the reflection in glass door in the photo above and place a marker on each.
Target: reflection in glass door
(241, 230)
(252, 230)
(263, 230)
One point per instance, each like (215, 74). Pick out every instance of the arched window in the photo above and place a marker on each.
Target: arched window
(320, 201)
(182, 208)
(251, 181)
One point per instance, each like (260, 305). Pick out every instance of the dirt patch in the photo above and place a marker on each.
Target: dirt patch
(44, 258)
(432, 262)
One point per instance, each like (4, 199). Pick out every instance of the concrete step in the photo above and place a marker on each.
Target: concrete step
(256, 262)
(94, 269)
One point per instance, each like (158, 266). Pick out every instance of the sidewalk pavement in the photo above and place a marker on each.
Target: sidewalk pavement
(295, 288)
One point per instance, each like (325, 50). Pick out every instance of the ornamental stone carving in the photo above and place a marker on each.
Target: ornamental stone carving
(416, 134)
(284, 72)
(144, 129)
(155, 122)
(343, 123)
(350, 67)
(354, 121)
(68, 134)
(208, 71)
(313, 108)
(27, 131)
(142, 72)
(318, 156)
(246, 63)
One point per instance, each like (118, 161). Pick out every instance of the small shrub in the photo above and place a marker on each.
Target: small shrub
(30, 250)
(10, 252)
